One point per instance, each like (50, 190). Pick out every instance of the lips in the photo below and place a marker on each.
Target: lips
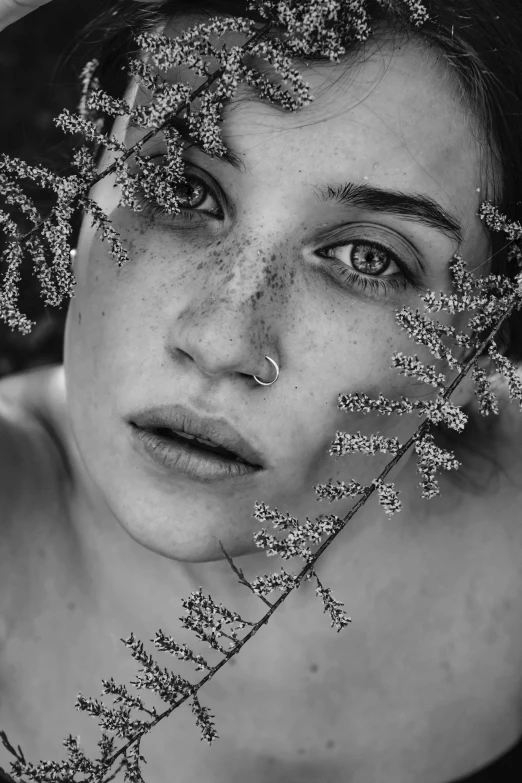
(199, 443)
(218, 432)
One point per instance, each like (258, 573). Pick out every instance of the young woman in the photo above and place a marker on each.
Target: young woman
(245, 317)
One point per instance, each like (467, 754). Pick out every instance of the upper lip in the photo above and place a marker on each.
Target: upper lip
(218, 431)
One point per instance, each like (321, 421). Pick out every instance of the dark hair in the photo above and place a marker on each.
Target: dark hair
(479, 40)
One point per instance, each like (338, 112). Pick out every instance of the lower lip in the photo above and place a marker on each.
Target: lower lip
(179, 458)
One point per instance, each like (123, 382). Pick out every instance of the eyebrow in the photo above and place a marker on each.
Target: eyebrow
(181, 125)
(414, 207)
(408, 206)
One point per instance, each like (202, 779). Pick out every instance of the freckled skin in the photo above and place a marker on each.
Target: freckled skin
(190, 319)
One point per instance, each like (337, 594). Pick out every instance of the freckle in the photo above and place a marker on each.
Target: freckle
(330, 744)
(71, 606)
(314, 667)
(79, 318)
(232, 662)
(301, 751)
(103, 314)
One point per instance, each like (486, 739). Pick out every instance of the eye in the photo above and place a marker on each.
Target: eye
(368, 259)
(195, 194)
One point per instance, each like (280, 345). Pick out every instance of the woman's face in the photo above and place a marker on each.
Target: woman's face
(191, 316)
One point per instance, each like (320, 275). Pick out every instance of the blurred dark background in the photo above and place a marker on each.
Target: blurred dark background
(41, 58)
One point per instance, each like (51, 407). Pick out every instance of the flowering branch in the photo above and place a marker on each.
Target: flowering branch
(319, 23)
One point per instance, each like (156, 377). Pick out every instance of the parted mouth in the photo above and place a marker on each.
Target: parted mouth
(215, 435)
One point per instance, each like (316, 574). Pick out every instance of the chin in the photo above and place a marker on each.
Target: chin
(189, 545)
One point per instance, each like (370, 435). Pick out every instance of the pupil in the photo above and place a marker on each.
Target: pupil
(189, 192)
(372, 258)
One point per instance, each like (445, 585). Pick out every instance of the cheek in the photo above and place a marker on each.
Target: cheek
(94, 315)
(120, 312)
(116, 319)
(101, 283)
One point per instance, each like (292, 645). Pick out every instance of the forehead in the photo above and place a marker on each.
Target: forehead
(390, 115)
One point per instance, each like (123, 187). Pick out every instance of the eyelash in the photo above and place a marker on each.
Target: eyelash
(383, 287)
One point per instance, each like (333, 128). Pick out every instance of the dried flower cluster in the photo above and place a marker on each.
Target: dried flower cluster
(313, 26)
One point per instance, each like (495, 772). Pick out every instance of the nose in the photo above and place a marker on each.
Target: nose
(232, 329)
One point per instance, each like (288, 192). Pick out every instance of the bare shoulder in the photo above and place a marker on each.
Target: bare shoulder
(35, 390)
(35, 476)
(34, 400)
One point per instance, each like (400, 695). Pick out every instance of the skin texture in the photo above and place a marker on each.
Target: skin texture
(192, 315)
(425, 683)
